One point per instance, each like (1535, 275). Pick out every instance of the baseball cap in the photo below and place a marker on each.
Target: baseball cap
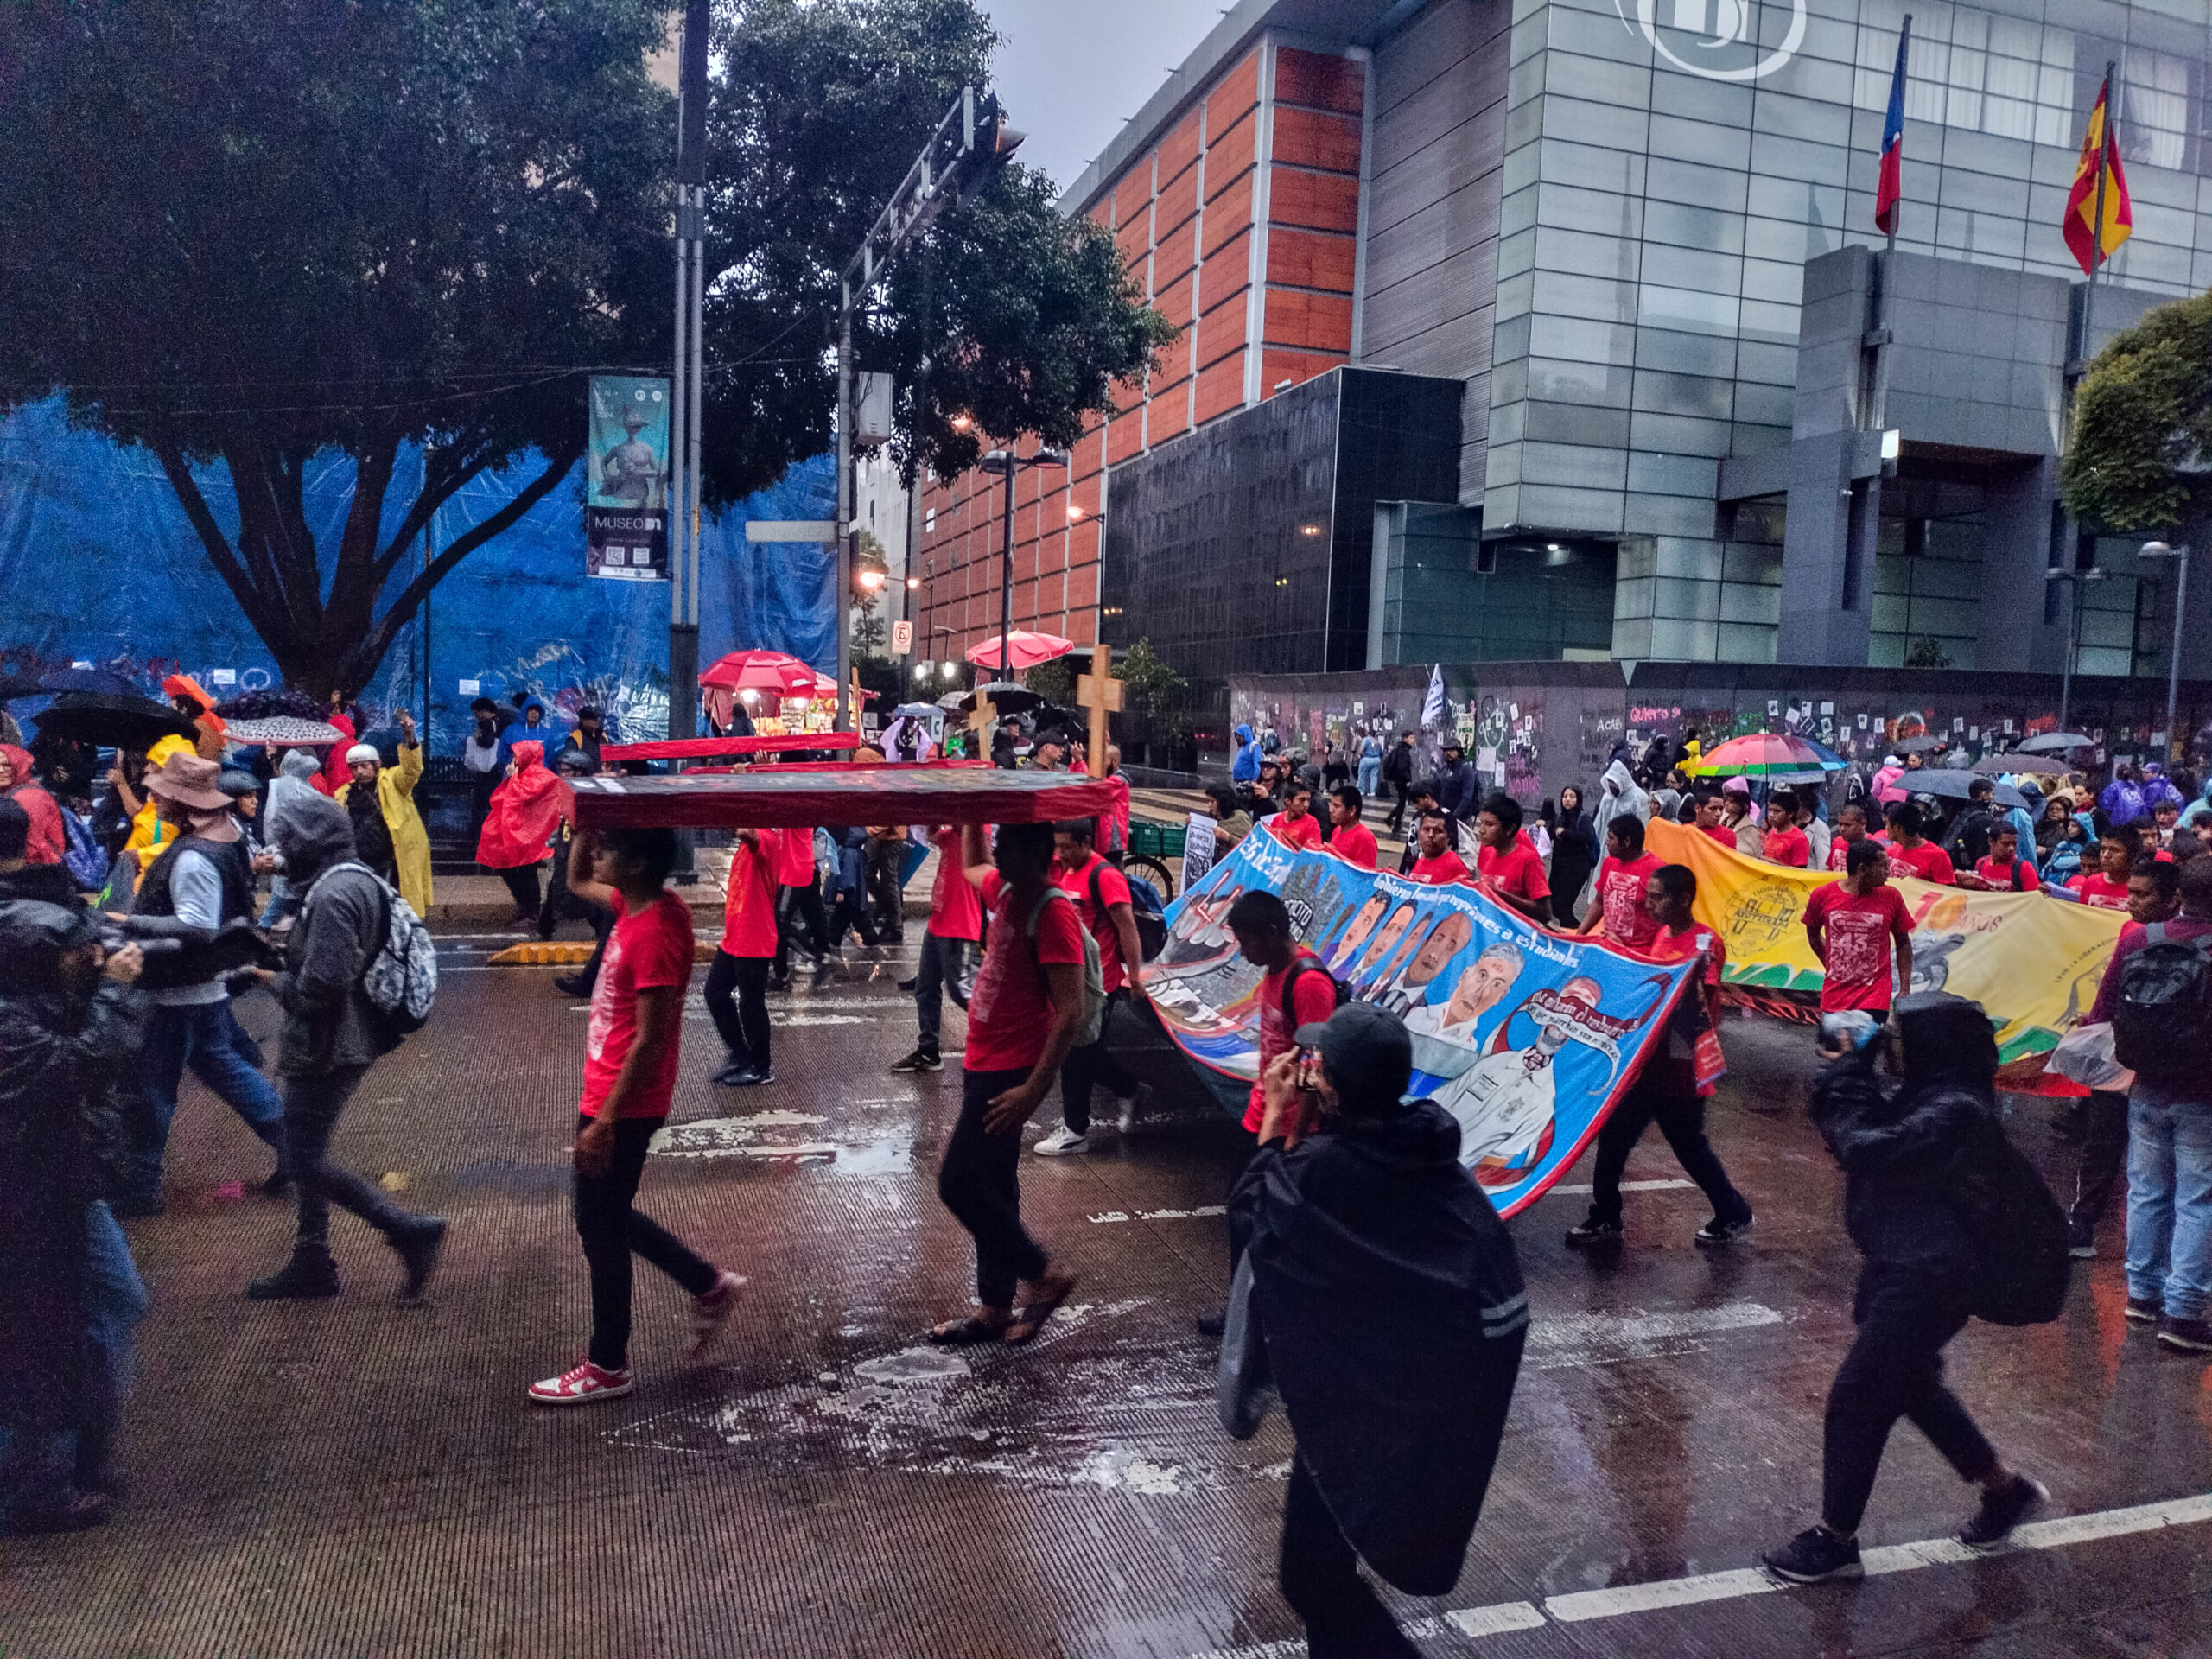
(1365, 1048)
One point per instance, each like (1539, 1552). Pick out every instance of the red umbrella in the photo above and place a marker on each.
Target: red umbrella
(772, 671)
(1027, 649)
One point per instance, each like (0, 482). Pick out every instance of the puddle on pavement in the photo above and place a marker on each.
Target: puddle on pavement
(506, 1175)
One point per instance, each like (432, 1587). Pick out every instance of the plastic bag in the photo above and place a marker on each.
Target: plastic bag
(2085, 1054)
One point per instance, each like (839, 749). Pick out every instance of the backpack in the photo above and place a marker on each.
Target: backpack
(1301, 965)
(1145, 908)
(401, 979)
(86, 859)
(2160, 1021)
(1094, 975)
(2021, 1263)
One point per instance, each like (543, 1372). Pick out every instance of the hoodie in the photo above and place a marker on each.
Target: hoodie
(46, 842)
(330, 1022)
(1244, 762)
(545, 734)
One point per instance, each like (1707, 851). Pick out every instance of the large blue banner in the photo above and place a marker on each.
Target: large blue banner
(1526, 1036)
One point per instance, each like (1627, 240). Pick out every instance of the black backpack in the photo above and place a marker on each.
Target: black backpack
(1301, 965)
(2162, 1017)
(2021, 1262)
(1145, 910)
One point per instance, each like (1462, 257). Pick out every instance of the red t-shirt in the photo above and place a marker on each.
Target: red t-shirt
(1518, 870)
(1928, 861)
(1859, 929)
(1839, 849)
(1304, 832)
(1313, 997)
(1009, 1013)
(794, 857)
(645, 951)
(2100, 890)
(955, 912)
(1113, 889)
(1792, 847)
(1357, 842)
(1721, 833)
(749, 907)
(1446, 866)
(2000, 876)
(1620, 898)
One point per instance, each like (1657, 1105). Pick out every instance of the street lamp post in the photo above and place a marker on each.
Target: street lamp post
(2074, 579)
(1010, 464)
(2180, 556)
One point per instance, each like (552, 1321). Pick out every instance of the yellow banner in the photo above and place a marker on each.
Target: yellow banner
(2032, 962)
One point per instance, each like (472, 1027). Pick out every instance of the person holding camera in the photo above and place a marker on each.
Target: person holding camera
(200, 882)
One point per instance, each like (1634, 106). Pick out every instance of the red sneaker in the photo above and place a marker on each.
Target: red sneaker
(580, 1387)
(711, 1311)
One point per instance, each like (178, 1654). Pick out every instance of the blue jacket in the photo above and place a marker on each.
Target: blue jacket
(519, 731)
(1244, 768)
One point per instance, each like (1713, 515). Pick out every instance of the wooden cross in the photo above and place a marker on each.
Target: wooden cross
(1101, 693)
(982, 718)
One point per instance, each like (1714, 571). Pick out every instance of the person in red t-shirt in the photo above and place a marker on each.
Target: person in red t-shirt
(1022, 1017)
(1668, 1090)
(2106, 886)
(632, 1054)
(2004, 870)
(1296, 824)
(1911, 856)
(799, 915)
(1850, 829)
(1624, 877)
(1101, 895)
(1709, 820)
(1436, 863)
(1348, 837)
(741, 965)
(1785, 842)
(1514, 869)
(955, 923)
(1855, 926)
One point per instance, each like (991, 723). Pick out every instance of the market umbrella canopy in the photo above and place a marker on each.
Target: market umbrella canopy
(1027, 649)
(2057, 743)
(1922, 745)
(958, 793)
(1766, 754)
(110, 721)
(2051, 765)
(1953, 785)
(773, 671)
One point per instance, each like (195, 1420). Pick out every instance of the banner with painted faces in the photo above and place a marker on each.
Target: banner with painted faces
(1527, 1037)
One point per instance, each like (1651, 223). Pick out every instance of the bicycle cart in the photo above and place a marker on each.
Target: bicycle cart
(1151, 844)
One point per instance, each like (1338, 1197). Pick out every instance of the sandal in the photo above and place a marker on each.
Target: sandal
(964, 1332)
(1030, 1318)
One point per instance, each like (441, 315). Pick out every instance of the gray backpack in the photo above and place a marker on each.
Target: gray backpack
(401, 980)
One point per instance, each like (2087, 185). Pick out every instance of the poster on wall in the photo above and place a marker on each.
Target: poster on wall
(625, 500)
(1525, 1037)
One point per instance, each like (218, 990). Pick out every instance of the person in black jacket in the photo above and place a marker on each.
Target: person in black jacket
(1379, 1292)
(1458, 791)
(1906, 1154)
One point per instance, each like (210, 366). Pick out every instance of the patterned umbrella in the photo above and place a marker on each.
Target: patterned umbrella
(1766, 754)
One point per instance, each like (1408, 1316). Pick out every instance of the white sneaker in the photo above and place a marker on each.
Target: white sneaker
(586, 1383)
(711, 1311)
(1129, 1108)
(1061, 1143)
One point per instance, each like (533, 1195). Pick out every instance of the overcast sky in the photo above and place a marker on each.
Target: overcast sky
(1073, 71)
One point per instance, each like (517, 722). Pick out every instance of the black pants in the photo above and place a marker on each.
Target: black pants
(2104, 1158)
(522, 883)
(1895, 1369)
(1320, 1575)
(1091, 1064)
(942, 968)
(611, 1229)
(1398, 811)
(799, 917)
(1666, 1095)
(979, 1179)
(737, 999)
(312, 1104)
(481, 787)
(851, 911)
(886, 895)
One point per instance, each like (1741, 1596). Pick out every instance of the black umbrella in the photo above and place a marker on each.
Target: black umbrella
(1949, 785)
(2057, 743)
(106, 682)
(1006, 696)
(15, 685)
(1916, 745)
(1993, 765)
(114, 722)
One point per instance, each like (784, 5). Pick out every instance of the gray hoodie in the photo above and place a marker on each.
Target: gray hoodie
(330, 1022)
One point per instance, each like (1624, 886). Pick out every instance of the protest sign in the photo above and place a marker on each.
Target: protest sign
(1197, 848)
(1526, 1037)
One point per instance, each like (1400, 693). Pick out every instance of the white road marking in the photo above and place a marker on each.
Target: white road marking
(1626, 1187)
(1560, 1339)
(1495, 1621)
(1163, 1215)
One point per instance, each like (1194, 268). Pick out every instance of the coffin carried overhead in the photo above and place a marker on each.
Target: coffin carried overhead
(885, 794)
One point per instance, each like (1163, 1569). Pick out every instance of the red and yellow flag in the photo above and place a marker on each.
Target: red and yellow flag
(2093, 244)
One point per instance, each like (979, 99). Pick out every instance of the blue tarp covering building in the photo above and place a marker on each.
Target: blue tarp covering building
(98, 564)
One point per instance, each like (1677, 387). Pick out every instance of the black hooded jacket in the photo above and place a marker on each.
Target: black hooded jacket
(1390, 1302)
(1909, 1150)
(330, 1022)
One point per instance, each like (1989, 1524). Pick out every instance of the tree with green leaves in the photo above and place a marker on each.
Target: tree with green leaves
(2142, 438)
(245, 233)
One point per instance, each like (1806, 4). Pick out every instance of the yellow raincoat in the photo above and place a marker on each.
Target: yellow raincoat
(410, 842)
(147, 832)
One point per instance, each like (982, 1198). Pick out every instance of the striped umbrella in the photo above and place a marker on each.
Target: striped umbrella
(1766, 754)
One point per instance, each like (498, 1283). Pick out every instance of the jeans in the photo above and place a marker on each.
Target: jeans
(1092, 1064)
(943, 966)
(204, 1036)
(610, 1228)
(115, 1300)
(2104, 1158)
(1895, 1369)
(1318, 1573)
(280, 901)
(312, 1103)
(1666, 1095)
(737, 1000)
(2170, 1202)
(979, 1179)
(1370, 774)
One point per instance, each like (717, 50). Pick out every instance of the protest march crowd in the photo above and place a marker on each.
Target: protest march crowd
(131, 918)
